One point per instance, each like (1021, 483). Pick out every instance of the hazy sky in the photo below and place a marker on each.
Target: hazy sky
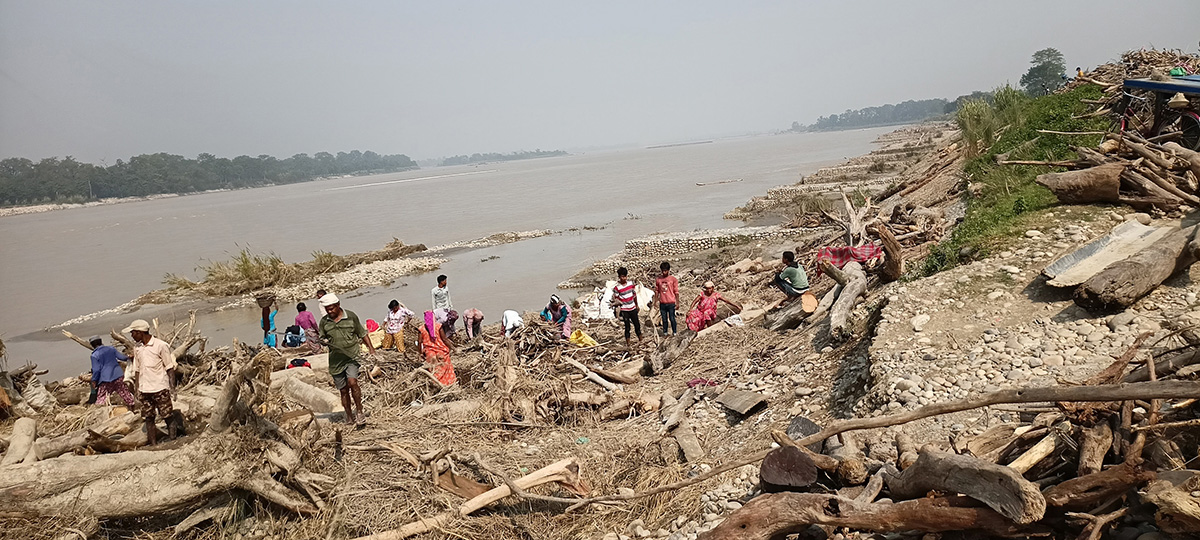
(106, 80)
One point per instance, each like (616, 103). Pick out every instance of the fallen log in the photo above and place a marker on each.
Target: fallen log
(852, 468)
(1122, 283)
(1094, 443)
(591, 375)
(1164, 367)
(1085, 492)
(150, 482)
(778, 514)
(1040, 451)
(999, 487)
(667, 351)
(1192, 157)
(893, 261)
(310, 397)
(21, 442)
(46, 448)
(682, 431)
(1178, 511)
(1095, 184)
(854, 286)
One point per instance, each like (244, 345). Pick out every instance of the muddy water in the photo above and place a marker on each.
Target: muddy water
(58, 265)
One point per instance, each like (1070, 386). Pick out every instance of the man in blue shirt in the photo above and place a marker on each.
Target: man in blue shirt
(107, 376)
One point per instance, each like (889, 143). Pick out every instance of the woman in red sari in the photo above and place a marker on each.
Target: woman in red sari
(437, 353)
(704, 308)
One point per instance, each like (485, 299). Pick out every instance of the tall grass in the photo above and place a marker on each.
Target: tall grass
(978, 122)
(1009, 193)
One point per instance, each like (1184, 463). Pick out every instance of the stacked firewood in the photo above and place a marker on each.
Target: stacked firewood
(1141, 64)
(1127, 168)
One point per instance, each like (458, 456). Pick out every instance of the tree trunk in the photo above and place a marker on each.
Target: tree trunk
(1085, 492)
(1097, 184)
(1001, 488)
(839, 315)
(1192, 157)
(786, 468)
(668, 350)
(893, 262)
(1124, 282)
(52, 447)
(23, 435)
(1094, 443)
(311, 397)
(773, 516)
(149, 482)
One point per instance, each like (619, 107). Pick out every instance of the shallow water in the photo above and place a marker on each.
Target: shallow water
(62, 264)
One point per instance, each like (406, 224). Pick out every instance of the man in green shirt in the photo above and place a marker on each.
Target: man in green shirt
(793, 281)
(342, 331)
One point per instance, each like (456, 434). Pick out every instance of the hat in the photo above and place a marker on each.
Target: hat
(329, 300)
(139, 324)
(94, 339)
(709, 284)
(1178, 101)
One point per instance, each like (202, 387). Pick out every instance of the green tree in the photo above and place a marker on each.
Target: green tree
(1045, 75)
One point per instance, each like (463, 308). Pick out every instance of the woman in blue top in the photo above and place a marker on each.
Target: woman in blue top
(558, 313)
(268, 324)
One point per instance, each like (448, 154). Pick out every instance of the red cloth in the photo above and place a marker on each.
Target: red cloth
(839, 256)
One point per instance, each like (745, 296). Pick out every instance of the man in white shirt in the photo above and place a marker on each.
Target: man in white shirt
(154, 377)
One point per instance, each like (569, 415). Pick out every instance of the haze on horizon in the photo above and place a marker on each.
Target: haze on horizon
(102, 81)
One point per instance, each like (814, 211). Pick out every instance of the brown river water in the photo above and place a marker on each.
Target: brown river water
(56, 266)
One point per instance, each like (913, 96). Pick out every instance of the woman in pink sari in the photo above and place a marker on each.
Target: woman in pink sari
(704, 308)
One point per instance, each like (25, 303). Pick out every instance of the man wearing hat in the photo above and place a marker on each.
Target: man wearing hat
(154, 377)
(107, 376)
(342, 331)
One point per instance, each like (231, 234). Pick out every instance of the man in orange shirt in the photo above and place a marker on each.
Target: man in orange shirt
(666, 292)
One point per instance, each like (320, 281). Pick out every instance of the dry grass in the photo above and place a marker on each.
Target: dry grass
(247, 272)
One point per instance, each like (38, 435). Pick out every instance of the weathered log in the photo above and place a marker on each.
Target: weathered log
(839, 314)
(84, 484)
(311, 397)
(1143, 151)
(667, 351)
(683, 433)
(78, 340)
(1178, 511)
(1165, 367)
(999, 487)
(678, 411)
(786, 468)
(1096, 184)
(822, 461)
(906, 451)
(1042, 450)
(778, 514)
(852, 468)
(46, 448)
(893, 261)
(21, 442)
(995, 438)
(1094, 443)
(1192, 157)
(1147, 186)
(1167, 185)
(1124, 282)
(591, 375)
(1085, 492)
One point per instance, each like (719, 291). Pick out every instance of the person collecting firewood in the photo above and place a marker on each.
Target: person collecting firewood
(107, 376)
(343, 332)
(154, 377)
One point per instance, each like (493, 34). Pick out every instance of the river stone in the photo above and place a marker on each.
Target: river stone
(801, 427)
(1120, 319)
(919, 322)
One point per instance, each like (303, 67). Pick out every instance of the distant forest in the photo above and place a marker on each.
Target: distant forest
(481, 158)
(906, 112)
(23, 181)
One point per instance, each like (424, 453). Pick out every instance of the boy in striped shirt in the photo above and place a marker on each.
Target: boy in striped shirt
(625, 302)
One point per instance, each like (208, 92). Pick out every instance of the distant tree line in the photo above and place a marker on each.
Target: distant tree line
(23, 181)
(480, 158)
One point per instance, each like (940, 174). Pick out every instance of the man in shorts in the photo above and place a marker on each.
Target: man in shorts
(154, 378)
(342, 331)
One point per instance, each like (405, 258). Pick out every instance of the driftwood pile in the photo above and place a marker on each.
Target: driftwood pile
(1140, 64)
(1075, 471)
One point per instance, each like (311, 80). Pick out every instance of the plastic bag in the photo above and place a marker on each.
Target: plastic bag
(581, 339)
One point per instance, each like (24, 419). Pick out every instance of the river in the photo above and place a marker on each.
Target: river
(58, 265)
